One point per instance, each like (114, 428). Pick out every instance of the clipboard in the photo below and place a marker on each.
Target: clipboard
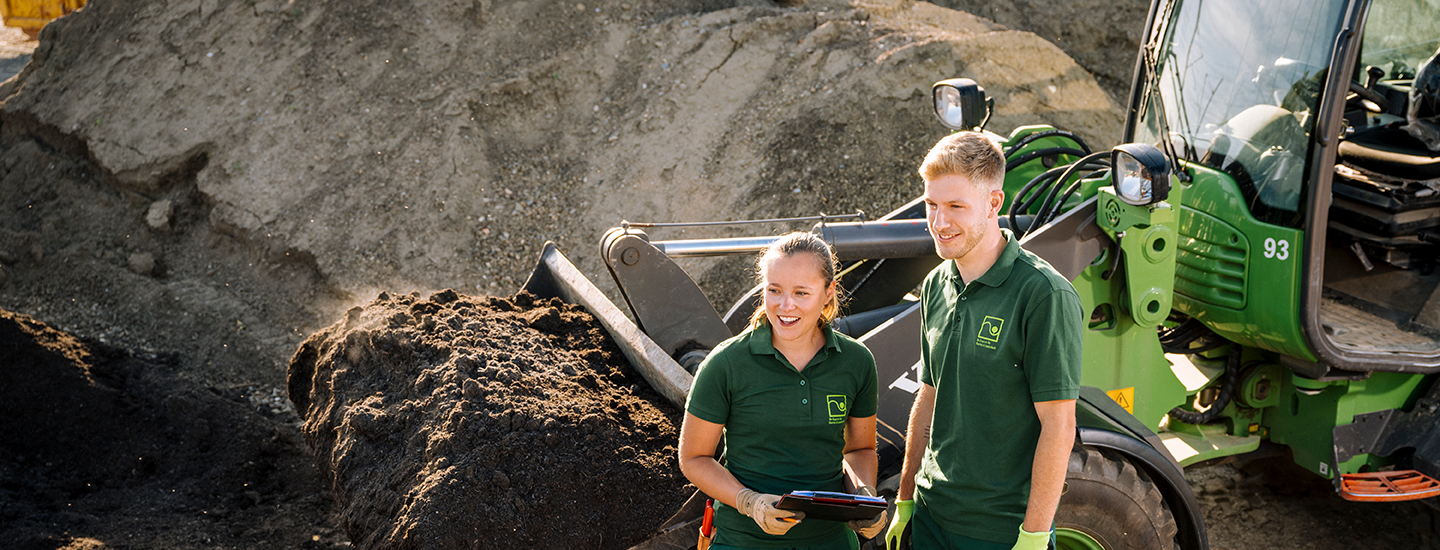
(833, 506)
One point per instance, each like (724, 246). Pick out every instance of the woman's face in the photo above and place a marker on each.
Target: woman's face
(795, 293)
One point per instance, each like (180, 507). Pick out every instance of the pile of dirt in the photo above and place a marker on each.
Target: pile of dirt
(102, 449)
(461, 422)
(1102, 35)
(194, 163)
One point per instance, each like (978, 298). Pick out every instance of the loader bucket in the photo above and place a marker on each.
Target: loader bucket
(556, 277)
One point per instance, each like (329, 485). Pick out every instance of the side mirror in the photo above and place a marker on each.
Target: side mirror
(961, 104)
(1140, 174)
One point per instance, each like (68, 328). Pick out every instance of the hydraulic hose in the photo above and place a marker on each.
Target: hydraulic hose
(1048, 213)
(1049, 133)
(1227, 390)
(1011, 164)
(1023, 199)
(1098, 159)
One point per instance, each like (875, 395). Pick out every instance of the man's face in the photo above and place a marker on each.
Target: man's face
(958, 213)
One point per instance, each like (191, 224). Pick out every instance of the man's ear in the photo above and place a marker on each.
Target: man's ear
(997, 199)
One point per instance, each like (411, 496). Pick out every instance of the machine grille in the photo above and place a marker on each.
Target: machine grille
(1211, 264)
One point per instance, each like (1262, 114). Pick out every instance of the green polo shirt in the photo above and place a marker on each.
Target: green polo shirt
(784, 429)
(992, 349)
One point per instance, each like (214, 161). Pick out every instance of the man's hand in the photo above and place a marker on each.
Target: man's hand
(903, 510)
(868, 528)
(1032, 541)
(761, 508)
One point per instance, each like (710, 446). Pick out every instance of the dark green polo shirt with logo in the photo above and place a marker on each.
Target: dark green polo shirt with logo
(784, 430)
(992, 349)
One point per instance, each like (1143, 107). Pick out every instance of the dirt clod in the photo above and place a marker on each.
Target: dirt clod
(502, 434)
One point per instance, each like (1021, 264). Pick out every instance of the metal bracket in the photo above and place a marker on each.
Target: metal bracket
(666, 302)
(1361, 436)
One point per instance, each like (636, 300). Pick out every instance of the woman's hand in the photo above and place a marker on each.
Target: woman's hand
(761, 508)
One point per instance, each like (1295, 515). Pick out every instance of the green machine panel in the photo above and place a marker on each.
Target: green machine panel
(1238, 275)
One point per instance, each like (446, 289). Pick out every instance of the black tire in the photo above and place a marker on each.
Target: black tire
(1114, 504)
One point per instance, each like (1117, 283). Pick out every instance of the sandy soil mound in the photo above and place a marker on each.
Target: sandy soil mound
(217, 157)
(1102, 35)
(462, 422)
(103, 449)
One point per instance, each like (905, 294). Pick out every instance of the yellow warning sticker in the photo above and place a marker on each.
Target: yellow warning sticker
(1125, 397)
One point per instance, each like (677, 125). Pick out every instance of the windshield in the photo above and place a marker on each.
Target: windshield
(1399, 36)
(1238, 84)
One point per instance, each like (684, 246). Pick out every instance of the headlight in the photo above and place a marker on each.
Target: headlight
(960, 103)
(1140, 174)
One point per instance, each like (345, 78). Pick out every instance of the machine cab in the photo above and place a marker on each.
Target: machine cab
(1310, 220)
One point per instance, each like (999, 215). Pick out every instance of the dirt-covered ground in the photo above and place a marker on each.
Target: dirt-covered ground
(104, 448)
(193, 187)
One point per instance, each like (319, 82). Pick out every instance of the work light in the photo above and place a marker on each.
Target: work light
(960, 103)
(1140, 174)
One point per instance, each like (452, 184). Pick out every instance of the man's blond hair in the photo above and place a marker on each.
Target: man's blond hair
(967, 154)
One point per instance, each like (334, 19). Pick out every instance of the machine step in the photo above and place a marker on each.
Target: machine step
(1393, 486)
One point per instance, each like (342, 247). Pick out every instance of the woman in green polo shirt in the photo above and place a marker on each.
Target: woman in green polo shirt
(795, 402)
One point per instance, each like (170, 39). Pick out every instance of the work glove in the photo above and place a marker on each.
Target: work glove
(903, 510)
(761, 508)
(1032, 541)
(868, 528)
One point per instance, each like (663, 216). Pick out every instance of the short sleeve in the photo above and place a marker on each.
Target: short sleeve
(1052, 346)
(709, 398)
(925, 377)
(867, 399)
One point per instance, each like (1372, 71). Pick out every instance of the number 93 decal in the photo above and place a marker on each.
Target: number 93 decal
(1279, 250)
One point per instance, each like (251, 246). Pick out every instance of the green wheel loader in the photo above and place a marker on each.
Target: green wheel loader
(1258, 260)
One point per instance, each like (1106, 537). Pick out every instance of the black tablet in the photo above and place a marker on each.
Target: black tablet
(832, 506)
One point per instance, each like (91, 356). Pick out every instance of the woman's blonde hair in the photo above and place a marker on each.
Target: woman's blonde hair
(800, 243)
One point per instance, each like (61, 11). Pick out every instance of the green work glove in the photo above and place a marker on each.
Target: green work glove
(761, 508)
(903, 510)
(868, 528)
(1032, 541)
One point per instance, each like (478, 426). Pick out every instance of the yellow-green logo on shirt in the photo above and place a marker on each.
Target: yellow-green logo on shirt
(839, 406)
(990, 332)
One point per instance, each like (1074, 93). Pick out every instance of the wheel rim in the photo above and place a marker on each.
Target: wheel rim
(1067, 538)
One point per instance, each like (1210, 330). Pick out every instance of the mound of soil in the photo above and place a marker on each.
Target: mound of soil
(100, 448)
(161, 192)
(468, 422)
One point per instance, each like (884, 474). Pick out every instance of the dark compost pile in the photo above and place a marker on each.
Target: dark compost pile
(104, 448)
(469, 422)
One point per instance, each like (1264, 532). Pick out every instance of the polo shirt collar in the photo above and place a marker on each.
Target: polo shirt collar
(762, 343)
(998, 272)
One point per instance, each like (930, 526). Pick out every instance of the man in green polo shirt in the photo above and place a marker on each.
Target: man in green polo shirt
(992, 425)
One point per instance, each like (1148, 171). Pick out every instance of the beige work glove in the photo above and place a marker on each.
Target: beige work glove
(868, 528)
(761, 508)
